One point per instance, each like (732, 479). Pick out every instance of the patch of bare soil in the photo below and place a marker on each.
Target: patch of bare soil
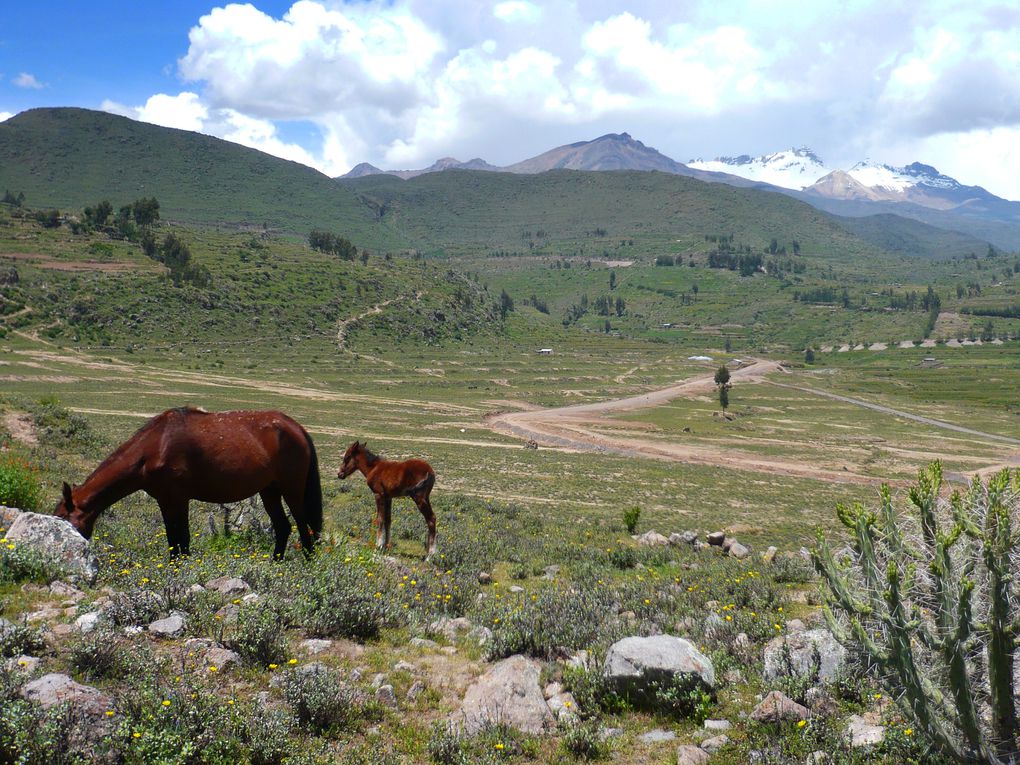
(20, 427)
(52, 264)
(574, 428)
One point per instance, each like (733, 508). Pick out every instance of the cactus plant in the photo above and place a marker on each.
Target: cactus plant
(931, 596)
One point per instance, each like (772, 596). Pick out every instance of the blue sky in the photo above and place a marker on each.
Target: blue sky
(400, 83)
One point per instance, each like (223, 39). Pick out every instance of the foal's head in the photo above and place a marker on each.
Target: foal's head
(350, 463)
(82, 521)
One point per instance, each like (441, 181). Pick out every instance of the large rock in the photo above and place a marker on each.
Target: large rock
(635, 665)
(864, 732)
(7, 516)
(508, 693)
(651, 539)
(90, 722)
(804, 653)
(776, 707)
(230, 586)
(170, 627)
(691, 755)
(58, 543)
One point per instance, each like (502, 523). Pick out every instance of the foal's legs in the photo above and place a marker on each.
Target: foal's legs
(281, 524)
(175, 521)
(422, 501)
(382, 521)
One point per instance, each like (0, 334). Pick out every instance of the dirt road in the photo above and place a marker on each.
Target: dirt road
(573, 428)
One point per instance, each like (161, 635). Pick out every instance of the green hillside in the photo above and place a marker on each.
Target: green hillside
(589, 214)
(69, 158)
(912, 237)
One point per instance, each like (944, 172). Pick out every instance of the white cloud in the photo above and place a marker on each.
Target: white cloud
(4, 116)
(986, 157)
(401, 82)
(516, 10)
(26, 80)
(186, 111)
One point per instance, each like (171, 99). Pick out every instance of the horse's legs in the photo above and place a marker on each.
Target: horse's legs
(175, 521)
(386, 521)
(281, 525)
(381, 527)
(295, 501)
(422, 501)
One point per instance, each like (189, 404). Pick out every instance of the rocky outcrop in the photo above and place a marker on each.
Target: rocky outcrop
(636, 665)
(57, 542)
(812, 652)
(508, 693)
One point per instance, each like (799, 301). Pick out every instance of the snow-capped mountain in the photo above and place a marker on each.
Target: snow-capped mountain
(791, 169)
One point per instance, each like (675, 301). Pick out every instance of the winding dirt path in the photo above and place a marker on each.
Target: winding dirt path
(572, 428)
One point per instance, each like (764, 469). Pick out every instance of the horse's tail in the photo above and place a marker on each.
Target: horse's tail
(313, 491)
(425, 484)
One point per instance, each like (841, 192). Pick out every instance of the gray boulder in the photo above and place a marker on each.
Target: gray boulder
(656, 736)
(230, 586)
(691, 755)
(777, 707)
(170, 627)
(508, 693)
(58, 543)
(683, 538)
(802, 653)
(864, 732)
(8, 515)
(89, 723)
(738, 551)
(651, 539)
(635, 664)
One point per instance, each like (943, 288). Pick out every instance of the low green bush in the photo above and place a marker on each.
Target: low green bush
(19, 484)
(322, 701)
(258, 636)
(341, 598)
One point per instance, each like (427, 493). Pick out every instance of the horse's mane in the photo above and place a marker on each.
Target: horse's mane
(370, 457)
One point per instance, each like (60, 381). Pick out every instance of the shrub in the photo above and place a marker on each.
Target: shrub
(99, 654)
(631, 516)
(259, 635)
(583, 741)
(932, 599)
(683, 697)
(623, 558)
(17, 639)
(321, 700)
(265, 734)
(19, 484)
(19, 563)
(341, 600)
(549, 622)
(492, 744)
(135, 607)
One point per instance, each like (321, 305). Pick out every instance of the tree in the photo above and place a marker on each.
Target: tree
(722, 382)
(809, 355)
(612, 280)
(100, 214)
(621, 306)
(506, 304)
(146, 211)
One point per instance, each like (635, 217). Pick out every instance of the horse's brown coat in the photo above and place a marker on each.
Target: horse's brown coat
(184, 454)
(388, 479)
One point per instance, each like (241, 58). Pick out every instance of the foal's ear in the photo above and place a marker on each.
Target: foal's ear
(68, 501)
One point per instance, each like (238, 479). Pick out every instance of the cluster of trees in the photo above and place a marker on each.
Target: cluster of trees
(130, 221)
(605, 305)
(15, 200)
(175, 254)
(827, 294)
(748, 265)
(538, 304)
(1006, 312)
(506, 304)
(333, 244)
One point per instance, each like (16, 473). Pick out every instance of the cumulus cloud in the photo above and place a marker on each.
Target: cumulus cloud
(516, 10)
(4, 116)
(401, 82)
(186, 111)
(26, 80)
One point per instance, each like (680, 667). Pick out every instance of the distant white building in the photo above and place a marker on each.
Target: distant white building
(545, 351)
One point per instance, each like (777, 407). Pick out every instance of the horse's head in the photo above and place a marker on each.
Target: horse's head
(82, 521)
(350, 463)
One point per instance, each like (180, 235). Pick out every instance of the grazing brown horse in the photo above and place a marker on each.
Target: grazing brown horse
(388, 479)
(186, 454)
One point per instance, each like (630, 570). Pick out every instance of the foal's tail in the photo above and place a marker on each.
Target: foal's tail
(313, 491)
